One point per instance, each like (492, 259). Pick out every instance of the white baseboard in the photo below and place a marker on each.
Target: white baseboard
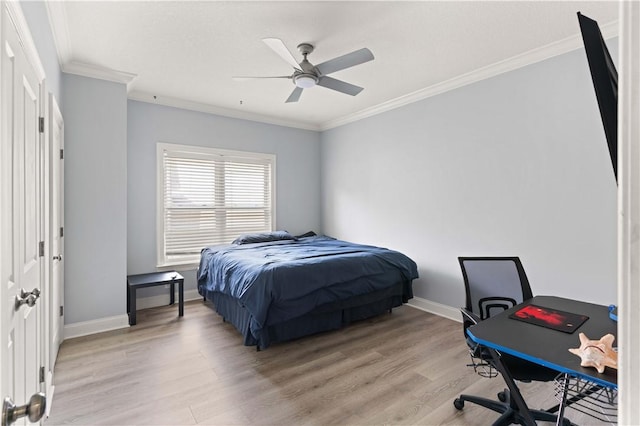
(163, 299)
(122, 321)
(435, 308)
(84, 328)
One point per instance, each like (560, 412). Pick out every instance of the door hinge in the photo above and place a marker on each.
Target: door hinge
(61, 310)
(41, 248)
(61, 231)
(41, 124)
(42, 374)
(62, 154)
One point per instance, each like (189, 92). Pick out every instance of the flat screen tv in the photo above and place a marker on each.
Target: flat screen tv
(605, 82)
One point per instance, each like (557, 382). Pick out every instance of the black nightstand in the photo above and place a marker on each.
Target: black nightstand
(134, 282)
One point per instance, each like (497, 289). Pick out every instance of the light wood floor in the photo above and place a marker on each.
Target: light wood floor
(403, 368)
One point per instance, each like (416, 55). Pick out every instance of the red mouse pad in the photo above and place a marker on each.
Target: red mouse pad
(550, 318)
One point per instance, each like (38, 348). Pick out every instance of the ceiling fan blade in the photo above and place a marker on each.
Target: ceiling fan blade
(295, 95)
(339, 85)
(278, 46)
(345, 61)
(243, 78)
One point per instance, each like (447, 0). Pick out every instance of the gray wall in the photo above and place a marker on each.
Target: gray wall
(95, 114)
(512, 165)
(297, 171)
(95, 184)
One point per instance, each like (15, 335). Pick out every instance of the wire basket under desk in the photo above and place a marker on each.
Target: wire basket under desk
(597, 401)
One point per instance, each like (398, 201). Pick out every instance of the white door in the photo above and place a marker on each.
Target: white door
(56, 238)
(21, 222)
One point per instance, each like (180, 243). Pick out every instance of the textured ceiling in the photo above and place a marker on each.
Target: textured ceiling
(185, 52)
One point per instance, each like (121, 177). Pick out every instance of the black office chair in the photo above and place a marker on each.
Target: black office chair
(493, 285)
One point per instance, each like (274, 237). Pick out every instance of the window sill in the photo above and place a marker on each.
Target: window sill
(178, 266)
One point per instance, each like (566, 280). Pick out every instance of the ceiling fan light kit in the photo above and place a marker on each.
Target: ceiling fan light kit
(306, 75)
(305, 81)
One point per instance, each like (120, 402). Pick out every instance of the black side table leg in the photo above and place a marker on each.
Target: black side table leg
(172, 297)
(181, 298)
(132, 305)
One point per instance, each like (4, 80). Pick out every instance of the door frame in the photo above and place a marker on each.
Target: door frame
(629, 214)
(15, 14)
(54, 330)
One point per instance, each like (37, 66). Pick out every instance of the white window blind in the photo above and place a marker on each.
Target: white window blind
(210, 197)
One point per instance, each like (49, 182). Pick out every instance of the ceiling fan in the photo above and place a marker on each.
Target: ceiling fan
(306, 75)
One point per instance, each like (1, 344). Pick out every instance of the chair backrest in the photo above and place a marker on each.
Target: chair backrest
(493, 284)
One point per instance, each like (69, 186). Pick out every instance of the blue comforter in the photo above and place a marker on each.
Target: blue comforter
(279, 280)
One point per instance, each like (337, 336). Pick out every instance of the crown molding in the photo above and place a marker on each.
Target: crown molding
(58, 22)
(95, 71)
(530, 57)
(60, 29)
(225, 112)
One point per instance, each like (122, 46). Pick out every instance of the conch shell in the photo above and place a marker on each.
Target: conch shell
(597, 353)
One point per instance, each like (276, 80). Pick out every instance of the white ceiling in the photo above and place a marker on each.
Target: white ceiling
(185, 52)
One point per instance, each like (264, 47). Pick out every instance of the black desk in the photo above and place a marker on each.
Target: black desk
(545, 346)
(134, 282)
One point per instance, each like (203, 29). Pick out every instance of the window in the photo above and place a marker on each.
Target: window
(210, 196)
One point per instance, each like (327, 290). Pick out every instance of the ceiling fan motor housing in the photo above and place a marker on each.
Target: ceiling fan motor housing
(309, 75)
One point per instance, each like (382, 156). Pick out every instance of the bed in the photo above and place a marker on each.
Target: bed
(275, 287)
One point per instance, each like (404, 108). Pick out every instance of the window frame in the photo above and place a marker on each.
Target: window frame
(162, 261)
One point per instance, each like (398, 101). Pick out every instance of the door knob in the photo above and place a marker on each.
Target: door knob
(26, 298)
(34, 410)
(35, 292)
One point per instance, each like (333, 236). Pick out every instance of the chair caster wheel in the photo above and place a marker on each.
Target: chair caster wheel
(502, 396)
(458, 403)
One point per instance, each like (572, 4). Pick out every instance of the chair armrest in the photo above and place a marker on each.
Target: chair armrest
(469, 317)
